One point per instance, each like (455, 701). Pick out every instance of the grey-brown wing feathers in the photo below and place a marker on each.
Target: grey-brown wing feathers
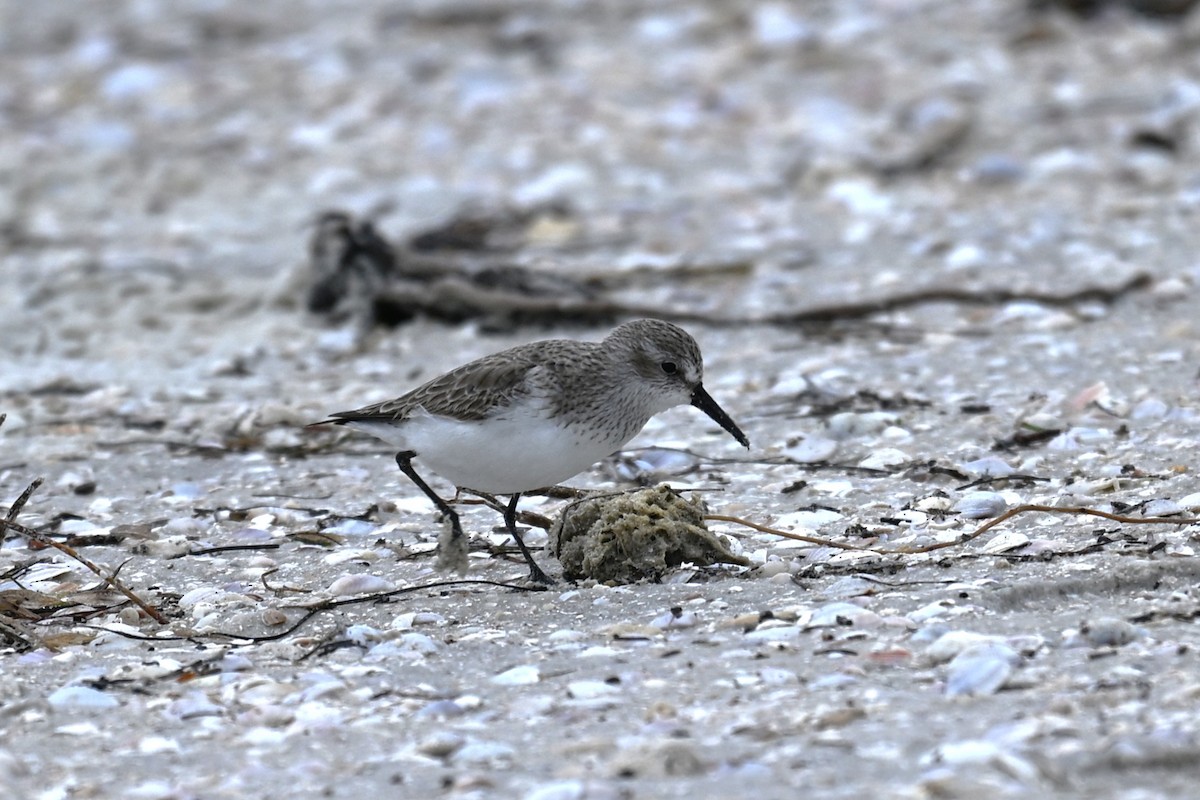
(470, 392)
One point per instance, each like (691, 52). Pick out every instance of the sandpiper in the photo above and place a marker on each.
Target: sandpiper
(536, 414)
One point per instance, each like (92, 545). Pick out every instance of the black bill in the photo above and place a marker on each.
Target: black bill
(703, 401)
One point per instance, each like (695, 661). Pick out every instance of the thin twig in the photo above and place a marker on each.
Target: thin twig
(788, 534)
(1009, 514)
(1012, 512)
(9, 523)
(16, 507)
(375, 598)
(314, 610)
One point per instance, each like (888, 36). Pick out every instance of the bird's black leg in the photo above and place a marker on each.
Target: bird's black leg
(404, 461)
(510, 520)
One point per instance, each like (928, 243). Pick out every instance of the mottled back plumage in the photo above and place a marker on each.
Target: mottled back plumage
(470, 392)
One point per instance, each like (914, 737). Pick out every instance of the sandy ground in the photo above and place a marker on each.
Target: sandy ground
(1019, 191)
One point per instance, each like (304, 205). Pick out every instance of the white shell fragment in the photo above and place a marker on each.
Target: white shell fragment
(359, 583)
(591, 690)
(674, 618)
(522, 675)
(1109, 632)
(884, 459)
(843, 615)
(987, 467)
(812, 450)
(83, 697)
(806, 522)
(848, 425)
(575, 789)
(1162, 508)
(981, 505)
(1004, 542)
(981, 668)
(951, 643)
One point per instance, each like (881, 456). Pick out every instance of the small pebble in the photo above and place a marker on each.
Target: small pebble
(441, 744)
(273, 616)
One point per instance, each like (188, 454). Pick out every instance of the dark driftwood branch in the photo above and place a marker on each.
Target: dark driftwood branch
(468, 300)
(355, 272)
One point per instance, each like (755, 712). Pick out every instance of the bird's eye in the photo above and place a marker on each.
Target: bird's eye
(670, 367)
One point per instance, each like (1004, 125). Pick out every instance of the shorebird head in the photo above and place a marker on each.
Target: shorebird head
(668, 363)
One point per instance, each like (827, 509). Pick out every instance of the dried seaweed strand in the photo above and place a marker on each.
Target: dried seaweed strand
(9, 523)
